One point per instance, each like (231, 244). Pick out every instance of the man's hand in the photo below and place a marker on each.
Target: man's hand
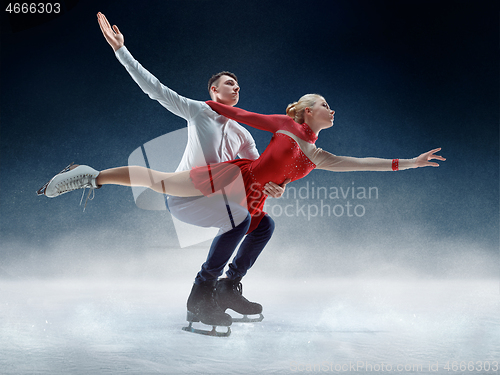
(112, 35)
(275, 190)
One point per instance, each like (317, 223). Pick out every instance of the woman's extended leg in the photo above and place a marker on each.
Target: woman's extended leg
(76, 177)
(178, 184)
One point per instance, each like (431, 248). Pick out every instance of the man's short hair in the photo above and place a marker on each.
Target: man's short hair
(215, 77)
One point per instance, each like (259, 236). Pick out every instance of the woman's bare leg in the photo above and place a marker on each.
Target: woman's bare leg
(178, 183)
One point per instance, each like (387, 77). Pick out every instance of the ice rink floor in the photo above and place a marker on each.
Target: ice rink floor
(333, 325)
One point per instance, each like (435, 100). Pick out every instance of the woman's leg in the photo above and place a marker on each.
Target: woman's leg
(177, 184)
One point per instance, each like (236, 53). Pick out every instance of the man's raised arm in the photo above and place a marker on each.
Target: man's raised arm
(113, 36)
(150, 85)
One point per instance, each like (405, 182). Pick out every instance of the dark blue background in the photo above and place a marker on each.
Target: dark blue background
(402, 76)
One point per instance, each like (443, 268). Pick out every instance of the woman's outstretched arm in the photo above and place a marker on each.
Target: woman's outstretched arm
(328, 161)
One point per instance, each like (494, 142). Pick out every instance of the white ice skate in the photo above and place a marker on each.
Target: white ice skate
(73, 177)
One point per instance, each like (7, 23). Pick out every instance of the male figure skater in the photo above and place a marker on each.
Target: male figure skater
(212, 138)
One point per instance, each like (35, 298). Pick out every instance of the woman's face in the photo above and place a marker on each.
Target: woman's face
(322, 114)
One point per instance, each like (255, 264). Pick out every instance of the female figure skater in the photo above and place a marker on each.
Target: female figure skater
(291, 155)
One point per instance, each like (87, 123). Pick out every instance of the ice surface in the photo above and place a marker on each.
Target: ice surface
(127, 326)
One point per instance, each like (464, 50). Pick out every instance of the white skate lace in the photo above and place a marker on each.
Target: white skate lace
(91, 191)
(78, 182)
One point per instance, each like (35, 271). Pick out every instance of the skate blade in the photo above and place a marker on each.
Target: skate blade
(246, 319)
(213, 332)
(41, 191)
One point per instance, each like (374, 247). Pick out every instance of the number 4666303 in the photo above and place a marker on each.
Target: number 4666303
(33, 8)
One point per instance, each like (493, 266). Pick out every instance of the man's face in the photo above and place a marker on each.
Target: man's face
(226, 90)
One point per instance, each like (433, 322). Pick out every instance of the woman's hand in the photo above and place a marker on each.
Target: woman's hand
(424, 159)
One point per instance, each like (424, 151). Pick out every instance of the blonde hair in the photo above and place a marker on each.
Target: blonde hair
(296, 110)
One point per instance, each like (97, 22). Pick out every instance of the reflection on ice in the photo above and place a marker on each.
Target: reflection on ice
(130, 326)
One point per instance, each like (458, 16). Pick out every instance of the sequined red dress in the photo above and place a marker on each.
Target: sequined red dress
(282, 159)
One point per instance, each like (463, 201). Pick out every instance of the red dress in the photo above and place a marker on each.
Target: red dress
(283, 158)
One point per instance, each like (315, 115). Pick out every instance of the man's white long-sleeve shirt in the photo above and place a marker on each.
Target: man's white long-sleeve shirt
(212, 138)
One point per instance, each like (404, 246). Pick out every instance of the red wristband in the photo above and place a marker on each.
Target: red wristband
(395, 164)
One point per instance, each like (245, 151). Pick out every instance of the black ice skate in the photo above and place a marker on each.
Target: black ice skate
(230, 296)
(202, 307)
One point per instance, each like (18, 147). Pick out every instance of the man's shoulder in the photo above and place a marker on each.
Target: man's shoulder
(201, 109)
(198, 103)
